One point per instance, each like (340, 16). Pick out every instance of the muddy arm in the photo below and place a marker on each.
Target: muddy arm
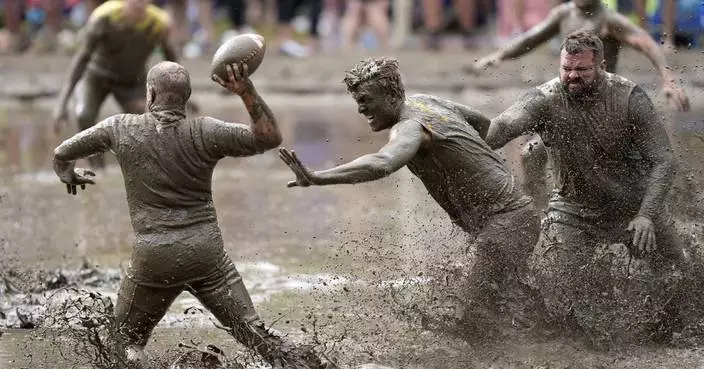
(654, 144)
(523, 116)
(405, 140)
(95, 140)
(167, 47)
(80, 60)
(535, 36)
(637, 38)
(476, 119)
(236, 139)
(630, 34)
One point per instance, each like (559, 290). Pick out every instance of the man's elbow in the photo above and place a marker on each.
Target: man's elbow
(60, 154)
(270, 142)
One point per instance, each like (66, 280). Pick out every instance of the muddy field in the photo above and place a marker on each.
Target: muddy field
(332, 264)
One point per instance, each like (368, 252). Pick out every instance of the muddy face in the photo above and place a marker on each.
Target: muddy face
(580, 73)
(381, 108)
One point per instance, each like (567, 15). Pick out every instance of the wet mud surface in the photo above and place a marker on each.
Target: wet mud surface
(342, 267)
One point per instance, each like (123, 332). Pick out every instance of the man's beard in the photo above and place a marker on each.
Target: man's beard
(586, 89)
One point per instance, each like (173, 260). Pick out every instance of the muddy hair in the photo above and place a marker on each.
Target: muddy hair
(579, 41)
(384, 71)
(170, 84)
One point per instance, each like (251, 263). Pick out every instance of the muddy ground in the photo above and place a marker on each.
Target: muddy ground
(330, 262)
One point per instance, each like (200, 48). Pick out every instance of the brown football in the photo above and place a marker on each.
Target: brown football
(246, 48)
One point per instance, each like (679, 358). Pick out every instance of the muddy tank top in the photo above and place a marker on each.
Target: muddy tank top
(460, 171)
(596, 162)
(123, 49)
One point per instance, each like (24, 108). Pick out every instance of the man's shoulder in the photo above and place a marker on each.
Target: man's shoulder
(158, 16)
(106, 10)
(618, 80)
(548, 90)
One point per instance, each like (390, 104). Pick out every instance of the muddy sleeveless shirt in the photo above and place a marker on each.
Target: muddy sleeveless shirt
(598, 166)
(460, 171)
(122, 50)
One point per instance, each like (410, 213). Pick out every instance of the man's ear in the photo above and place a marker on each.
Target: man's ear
(602, 65)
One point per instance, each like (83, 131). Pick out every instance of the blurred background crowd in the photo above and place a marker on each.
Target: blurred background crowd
(301, 28)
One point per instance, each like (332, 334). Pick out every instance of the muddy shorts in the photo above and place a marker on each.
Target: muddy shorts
(163, 266)
(92, 91)
(581, 278)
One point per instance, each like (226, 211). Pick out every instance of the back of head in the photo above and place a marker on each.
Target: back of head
(168, 87)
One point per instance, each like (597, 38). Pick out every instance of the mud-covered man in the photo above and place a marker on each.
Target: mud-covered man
(117, 42)
(613, 166)
(167, 162)
(441, 142)
(614, 30)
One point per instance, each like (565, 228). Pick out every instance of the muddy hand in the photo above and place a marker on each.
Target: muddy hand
(643, 235)
(677, 95)
(304, 177)
(78, 177)
(237, 78)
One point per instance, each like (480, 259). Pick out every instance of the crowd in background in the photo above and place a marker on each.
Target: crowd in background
(301, 28)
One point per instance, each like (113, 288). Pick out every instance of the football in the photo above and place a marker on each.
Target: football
(246, 48)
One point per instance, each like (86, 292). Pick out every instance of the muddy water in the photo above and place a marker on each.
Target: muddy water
(314, 259)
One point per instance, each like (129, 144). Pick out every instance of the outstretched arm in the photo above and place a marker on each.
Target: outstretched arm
(523, 116)
(406, 138)
(95, 140)
(527, 41)
(231, 139)
(91, 38)
(637, 38)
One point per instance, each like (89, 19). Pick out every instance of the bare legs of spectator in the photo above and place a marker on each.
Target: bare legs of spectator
(377, 12)
(351, 24)
(286, 10)
(466, 11)
(669, 15)
(330, 17)
(206, 23)
(402, 23)
(13, 19)
(433, 19)
(46, 40)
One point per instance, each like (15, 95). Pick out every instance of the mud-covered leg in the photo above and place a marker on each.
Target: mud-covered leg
(229, 301)
(499, 276)
(90, 95)
(534, 158)
(560, 269)
(137, 312)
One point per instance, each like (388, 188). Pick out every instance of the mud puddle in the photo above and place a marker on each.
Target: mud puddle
(319, 262)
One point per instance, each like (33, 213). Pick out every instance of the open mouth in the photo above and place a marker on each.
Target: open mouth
(370, 118)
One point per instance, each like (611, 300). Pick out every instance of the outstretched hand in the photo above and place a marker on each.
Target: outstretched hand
(77, 177)
(643, 235)
(304, 177)
(237, 78)
(677, 95)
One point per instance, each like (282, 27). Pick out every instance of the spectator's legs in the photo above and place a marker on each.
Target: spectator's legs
(377, 15)
(351, 23)
(13, 19)
(669, 15)
(433, 20)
